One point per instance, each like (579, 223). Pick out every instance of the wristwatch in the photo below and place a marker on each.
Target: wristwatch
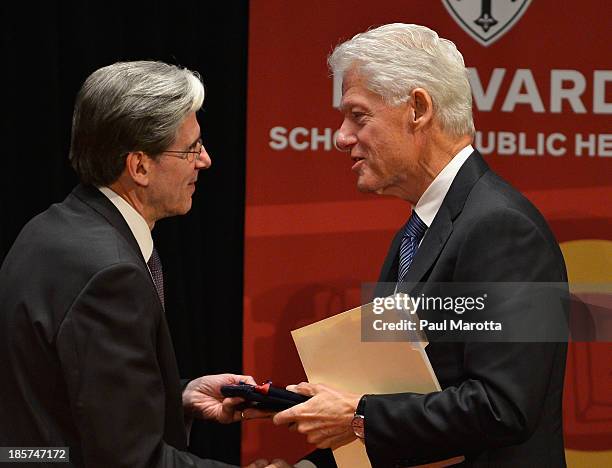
(358, 422)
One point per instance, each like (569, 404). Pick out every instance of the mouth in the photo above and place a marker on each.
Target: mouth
(358, 161)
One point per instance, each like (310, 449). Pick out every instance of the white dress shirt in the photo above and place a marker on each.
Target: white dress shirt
(138, 225)
(428, 205)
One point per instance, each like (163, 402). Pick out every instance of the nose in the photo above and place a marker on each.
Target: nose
(345, 138)
(203, 161)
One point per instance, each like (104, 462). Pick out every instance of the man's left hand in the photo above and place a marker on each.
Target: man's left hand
(202, 397)
(325, 419)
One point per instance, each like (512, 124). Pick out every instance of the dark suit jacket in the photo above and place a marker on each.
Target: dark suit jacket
(85, 352)
(501, 402)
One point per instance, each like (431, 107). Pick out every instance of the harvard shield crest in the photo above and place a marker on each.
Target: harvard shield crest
(486, 20)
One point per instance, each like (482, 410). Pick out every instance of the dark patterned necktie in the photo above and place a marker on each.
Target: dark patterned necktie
(414, 230)
(155, 267)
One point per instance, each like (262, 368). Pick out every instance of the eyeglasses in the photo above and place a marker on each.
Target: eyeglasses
(190, 156)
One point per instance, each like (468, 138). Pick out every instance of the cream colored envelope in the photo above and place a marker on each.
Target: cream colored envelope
(333, 353)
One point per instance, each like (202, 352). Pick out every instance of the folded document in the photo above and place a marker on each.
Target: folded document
(333, 353)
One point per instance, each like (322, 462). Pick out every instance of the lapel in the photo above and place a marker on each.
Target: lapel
(174, 429)
(389, 270)
(97, 201)
(442, 226)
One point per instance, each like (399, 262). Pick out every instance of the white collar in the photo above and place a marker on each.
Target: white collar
(428, 205)
(138, 226)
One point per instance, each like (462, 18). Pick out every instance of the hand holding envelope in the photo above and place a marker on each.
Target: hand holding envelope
(333, 351)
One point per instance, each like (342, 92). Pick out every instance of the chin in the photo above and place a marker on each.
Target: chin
(186, 208)
(183, 208)
(366, 186)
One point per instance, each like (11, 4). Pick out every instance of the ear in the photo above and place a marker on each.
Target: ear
(138, 167)
(422, 107)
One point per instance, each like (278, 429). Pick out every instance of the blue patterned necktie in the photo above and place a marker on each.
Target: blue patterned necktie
(155, 267)
(414, 230)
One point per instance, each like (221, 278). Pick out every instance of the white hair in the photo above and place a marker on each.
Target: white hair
(396, 58)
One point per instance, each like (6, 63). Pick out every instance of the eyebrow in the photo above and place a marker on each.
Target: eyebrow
(351, 105)
(195, 141)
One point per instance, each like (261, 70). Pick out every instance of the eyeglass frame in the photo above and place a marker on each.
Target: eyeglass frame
(184, 155)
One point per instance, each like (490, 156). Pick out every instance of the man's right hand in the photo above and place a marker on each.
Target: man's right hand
(325, 419)
(202, 397)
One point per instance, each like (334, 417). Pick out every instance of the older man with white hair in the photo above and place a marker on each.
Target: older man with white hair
(408, 128)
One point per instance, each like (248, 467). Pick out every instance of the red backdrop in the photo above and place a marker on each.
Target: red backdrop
(542, 105)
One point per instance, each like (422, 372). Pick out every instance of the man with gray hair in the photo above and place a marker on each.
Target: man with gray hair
(85, 350)
(408, 128)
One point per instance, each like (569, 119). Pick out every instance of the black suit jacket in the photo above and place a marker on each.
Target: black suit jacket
(85, 351)
(501, 402)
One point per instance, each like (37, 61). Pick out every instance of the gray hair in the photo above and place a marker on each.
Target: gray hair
(396, 58)
(129, 106)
